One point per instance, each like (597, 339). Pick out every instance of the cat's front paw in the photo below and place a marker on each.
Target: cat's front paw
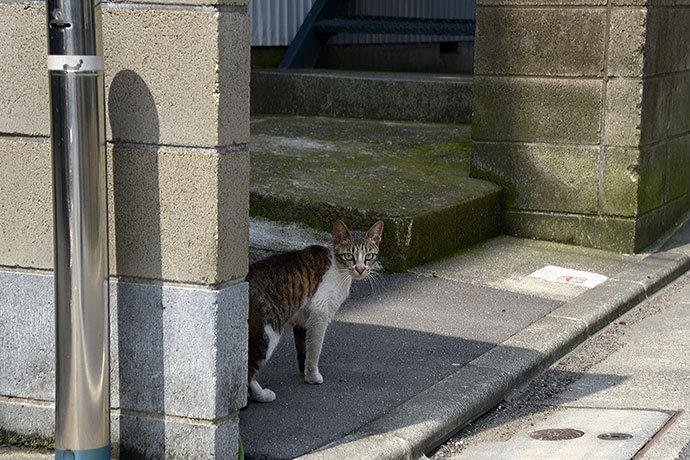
(265, 396)
(314, 378)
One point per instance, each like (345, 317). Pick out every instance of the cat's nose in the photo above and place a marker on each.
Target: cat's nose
(360, 270)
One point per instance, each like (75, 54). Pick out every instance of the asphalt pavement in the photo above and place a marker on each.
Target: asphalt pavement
(412, 358)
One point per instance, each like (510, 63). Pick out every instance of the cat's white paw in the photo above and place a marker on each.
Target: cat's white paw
(262, 395)
(314, 378)
(266, 396)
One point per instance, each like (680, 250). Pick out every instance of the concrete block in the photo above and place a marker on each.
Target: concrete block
(531, 350)
(177, 83)
(179, 215)
(139, 436)
(179, 351)
(26, 203)
(234, 67)
(665, 107)
(28, 417)
(546, 177)
(174, 350)
(678, 167)
(657, 94)
(540, 41)
(24, 75)
(134, 435)
(554, 110)
(627, 37)
(656, 223)
(666, 28)
(596, 307)
(233, 215)
(679, 117)
(169, 210)
(623, 112)
(651, 3)
(621, 181)
(603, 232)
(27, 336)
(652, 172)
(656, 270)
(349, 94)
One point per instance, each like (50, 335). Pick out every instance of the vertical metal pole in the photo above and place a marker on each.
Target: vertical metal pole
(82, 396)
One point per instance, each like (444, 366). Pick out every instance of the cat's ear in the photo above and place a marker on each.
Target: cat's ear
(340, 232)
(375, 232)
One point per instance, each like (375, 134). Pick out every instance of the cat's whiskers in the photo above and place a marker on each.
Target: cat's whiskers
(376, 282)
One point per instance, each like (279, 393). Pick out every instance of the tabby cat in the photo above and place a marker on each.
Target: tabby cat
(304, 289)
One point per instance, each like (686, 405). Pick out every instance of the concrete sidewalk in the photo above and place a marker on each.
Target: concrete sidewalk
(412, 358)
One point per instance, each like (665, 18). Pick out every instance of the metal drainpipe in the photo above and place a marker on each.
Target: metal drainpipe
(82, 352)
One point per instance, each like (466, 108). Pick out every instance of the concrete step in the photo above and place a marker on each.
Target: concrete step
(372, 95)
(413, 176)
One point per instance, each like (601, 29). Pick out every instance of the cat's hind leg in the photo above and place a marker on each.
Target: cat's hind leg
(259, 394)
(300, 334)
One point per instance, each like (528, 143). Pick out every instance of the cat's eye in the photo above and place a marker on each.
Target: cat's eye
(369, 256)
(349, 257)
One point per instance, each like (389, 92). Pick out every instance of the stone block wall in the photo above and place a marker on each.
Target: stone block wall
(177, 121)
(581, 113)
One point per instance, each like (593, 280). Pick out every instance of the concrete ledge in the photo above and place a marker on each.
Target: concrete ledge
(597, 307)
(656, 271)
(372, 95)
(420, 424)
(424, 421)
(413, 176)
(530, 351)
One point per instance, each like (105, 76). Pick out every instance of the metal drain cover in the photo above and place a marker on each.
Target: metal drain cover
(577, 433)
(556, 434)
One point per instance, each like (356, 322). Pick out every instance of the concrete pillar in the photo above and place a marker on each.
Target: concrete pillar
(177, 108)
(582, 114)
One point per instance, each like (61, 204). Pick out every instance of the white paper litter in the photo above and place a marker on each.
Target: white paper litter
(569, 276)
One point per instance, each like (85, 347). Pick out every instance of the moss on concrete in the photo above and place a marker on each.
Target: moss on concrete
(267, 57)
(413, 176)
(9, 438)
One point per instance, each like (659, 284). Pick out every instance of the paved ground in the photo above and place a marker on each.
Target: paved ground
(395, 338)
(641, 362)
(415, 356)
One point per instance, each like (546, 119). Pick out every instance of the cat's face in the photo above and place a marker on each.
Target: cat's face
(355, 251)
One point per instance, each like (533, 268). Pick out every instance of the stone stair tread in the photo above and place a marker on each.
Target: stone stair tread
(315, 169)
(440, 98)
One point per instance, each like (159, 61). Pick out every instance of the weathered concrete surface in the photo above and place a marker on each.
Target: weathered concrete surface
(521, 41)
(506, 263)
(412, 176)
(591, 423)
(26, 203)
(177, 352)
(654, 367)
(584, 159)
(451, 315)
(172, 211)
(372, 95)
(382, 349)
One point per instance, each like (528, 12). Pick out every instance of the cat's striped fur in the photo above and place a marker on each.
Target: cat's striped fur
(304, 289)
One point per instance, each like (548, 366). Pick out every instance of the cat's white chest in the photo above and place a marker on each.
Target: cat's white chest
(332, 291)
